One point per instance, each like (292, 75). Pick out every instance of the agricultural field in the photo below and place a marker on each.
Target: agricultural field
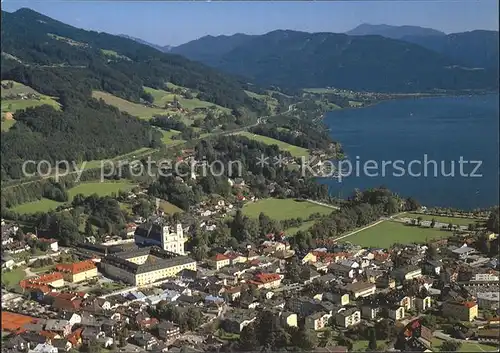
(387, 233)
(272, 103)
(113, 54)
(167, 137)
(102, 189)
(443, 219)
(131, 156)
(295, 151)
(13, 105)
(162, 97)
(470, 346)
(319, 90)
(281, 209)
(303, 227)
(169, 208)
(139, 110)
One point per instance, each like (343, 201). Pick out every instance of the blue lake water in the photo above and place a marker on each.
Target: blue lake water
(445, 129)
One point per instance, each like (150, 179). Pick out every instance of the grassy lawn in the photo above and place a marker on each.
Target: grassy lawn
(167, 137)
(362, 345)
(442, 219)
(42, 269)
(385, 234)
(13, 105)
(162, 97)
(281, 209)
(303, 227)
(271, 102)
(294, 150)
(135, 109)
(7, 124)
(167, 207)
(42, 205)
(12, 278)
(102, 189)
(470, 346)
(113, 54)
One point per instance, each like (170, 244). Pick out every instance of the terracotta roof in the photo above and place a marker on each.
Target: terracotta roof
(267, 277)
(470, 304)
(75, 336)
(220, 257)
(13, 321)
(40, 280)
(77, 267)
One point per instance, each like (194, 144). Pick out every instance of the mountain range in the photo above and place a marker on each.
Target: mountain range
(394, 32)
(165, 48)
(360, 62)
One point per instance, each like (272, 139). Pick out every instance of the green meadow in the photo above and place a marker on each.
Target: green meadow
(281, 209)
(295, 151)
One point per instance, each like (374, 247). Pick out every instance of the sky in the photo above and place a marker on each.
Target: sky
(174, 23)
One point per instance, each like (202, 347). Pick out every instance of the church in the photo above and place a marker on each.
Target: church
(159, 234)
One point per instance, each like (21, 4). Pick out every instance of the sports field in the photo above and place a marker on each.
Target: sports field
(443, 219)
(295, 151)
(387, 233)
(281, 209)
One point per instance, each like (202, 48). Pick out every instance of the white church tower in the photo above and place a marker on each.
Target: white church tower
(173, 242)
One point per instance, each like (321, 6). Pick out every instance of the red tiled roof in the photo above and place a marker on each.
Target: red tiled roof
(75, 336)
(45, 240)
(40, 280)
(14, 322)
(267, 277)
(220, 257)
(77, 267)
(470, 304)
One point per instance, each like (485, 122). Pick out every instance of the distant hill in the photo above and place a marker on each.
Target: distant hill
(476, 48)
(209, 49)
(165, 48)
(68, 63)
(372, 63)
(394, 32)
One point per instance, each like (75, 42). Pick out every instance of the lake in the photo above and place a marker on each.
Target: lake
(445, 129)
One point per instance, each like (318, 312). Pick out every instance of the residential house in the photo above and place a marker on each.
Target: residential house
(348, 317)
(423, 302)
(308, 275)
(432, 267)
(317, 321)
(370, 311)
(44, 348)
(78, 272)
(235, 321)
(52, 243)
(463, 252)
(168, 330)
(62, 344)
(90, 334)
(341, 270)
(337, 297)
(145, 340)
(465, 311)
(361, 289)
(407, 273)
(385, 282)
(62, 327)
(396, 312)
(288, 318)
(488, 300)
(54, 280)
(233, 293)
(267, 280)
(218, 261)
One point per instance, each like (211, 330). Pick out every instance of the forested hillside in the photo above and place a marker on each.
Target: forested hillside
(363, 63)
(67, 63)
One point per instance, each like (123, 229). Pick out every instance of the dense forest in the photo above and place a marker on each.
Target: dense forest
(68, 63)
(364, 63)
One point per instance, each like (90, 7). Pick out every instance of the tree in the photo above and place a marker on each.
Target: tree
(248, 339)
(483, 244)
(433, 223)
(450, 226)
(143, 208)
(431, 251)
(419, 220)
(372, 340)
(89, 231)
(493, 223)
(450, 346)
